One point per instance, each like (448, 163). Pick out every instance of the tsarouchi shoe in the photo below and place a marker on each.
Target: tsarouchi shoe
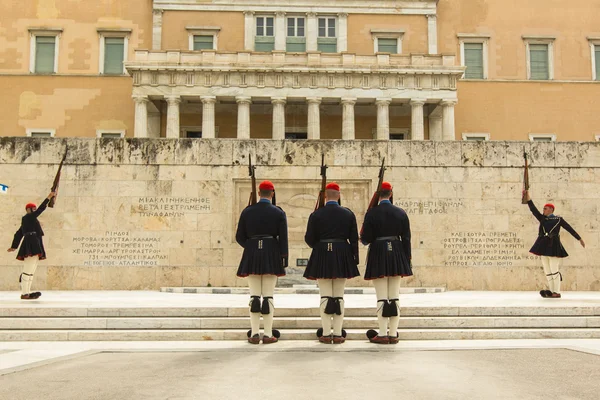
(380, 340)
(338, 339)
(545, 293)
(555, 296)
(394, 340)
(269, 339)
(254, 339)
(325, 339)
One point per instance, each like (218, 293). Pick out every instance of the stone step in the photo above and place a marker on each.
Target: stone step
(296, 289)
(49, 311)
(424, 322)
(291, 334)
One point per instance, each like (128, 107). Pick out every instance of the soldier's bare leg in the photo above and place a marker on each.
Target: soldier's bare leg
(255, 285)
(338, 294)
(326, 292)
(268, 288)
(394, 293)
(381, 290)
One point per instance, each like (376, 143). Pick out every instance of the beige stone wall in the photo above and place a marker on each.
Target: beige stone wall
(140, 214)
(360, 39)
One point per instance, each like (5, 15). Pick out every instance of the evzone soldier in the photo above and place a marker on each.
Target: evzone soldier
(31, 249)
(386, 229)
(262, 232)
(549, 246)
(333, 236)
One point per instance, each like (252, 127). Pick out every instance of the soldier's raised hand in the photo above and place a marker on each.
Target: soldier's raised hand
(11, 250)
(582, 243)
(51, 195)
(527, 195)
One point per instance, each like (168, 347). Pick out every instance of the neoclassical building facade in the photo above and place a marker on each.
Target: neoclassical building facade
(302, 69)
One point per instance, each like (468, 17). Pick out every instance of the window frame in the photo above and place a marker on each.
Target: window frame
(104, 33)
(265, 16)
(100, 132)
(473, 136)
(183, 131)
(30, 131)
(546, 40)
(203, 31)
(534, 136)
(327, 18)
(33, 34)
(597, 136)
(397, 34)
(478, 39)
(594, 43)
(295, 39)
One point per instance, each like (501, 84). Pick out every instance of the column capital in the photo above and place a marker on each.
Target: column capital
(139, 98)
(383, 101)
(311, 14)
(448, 102)
(280, 13)
(243, 100)
(248, 13)
(343, 15)
(313, 100)
(208, 99)
(173, 99)
(278, 100)
(417, 102)
(349, 100)
(431, 16)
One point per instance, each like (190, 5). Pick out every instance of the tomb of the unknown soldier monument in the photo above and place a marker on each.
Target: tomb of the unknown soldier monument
(301, 199)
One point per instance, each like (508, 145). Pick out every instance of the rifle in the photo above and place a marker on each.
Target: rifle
(321, 198)
(57, 179)
(251, 168)
(375, 199)
(525, 178)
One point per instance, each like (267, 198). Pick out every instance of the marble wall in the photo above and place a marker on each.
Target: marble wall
(145, 213)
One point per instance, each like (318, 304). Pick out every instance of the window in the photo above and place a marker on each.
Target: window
(473, 55)
(113, 50)
(110, 134)
(203, 37)
(296, 37)
(395, 133)
(265, 34)
(203, 42)
(296, 135)
(542, 137)
(597, 138)
(195, 132)
(595, 47)
(397, 136)
(476, 136)
(327, 40)
(387, 45)
(41, 133)
(43, 51)
(539, 58)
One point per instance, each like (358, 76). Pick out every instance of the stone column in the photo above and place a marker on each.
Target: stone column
(157, 29)
(280, 31)
(448, 119)
(435, 124)
(249, 30)
(208, 116)
(417, 123)
(312, 31)
(141, 116)
(173, 116)
(278, 117)
(348, 118)
(432, 33)
(314, 118)
(342, 33)
(383, 119)
(243, 118)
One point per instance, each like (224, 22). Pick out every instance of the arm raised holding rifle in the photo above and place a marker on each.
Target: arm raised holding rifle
(386, 229)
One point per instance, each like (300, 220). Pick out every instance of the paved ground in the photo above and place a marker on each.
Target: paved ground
(414, 375)
(92, 299)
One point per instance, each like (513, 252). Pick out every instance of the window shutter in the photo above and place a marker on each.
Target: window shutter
(203, 42)
(327, 45)
(387, 45)
(45, 47)
(474, 60)
(114, 50)
(538, 59)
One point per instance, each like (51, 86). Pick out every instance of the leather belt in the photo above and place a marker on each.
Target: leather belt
(262, 237)
(333, 241)
(30, 233)
(389, 238)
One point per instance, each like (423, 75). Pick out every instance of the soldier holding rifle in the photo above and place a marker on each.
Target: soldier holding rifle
(386, 229)
(29, 239)
(262, 232)
(333, 236)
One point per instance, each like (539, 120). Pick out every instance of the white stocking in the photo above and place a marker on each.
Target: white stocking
(268, 288)
(381, 290)
(555, 277)
(546, 265)
(325, 290)
(29, 267)
(394, 293)
(338, 291)
(255, 284)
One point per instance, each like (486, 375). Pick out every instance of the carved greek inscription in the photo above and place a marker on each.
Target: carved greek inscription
(431, 207)
(120, 249)
(171, 206)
